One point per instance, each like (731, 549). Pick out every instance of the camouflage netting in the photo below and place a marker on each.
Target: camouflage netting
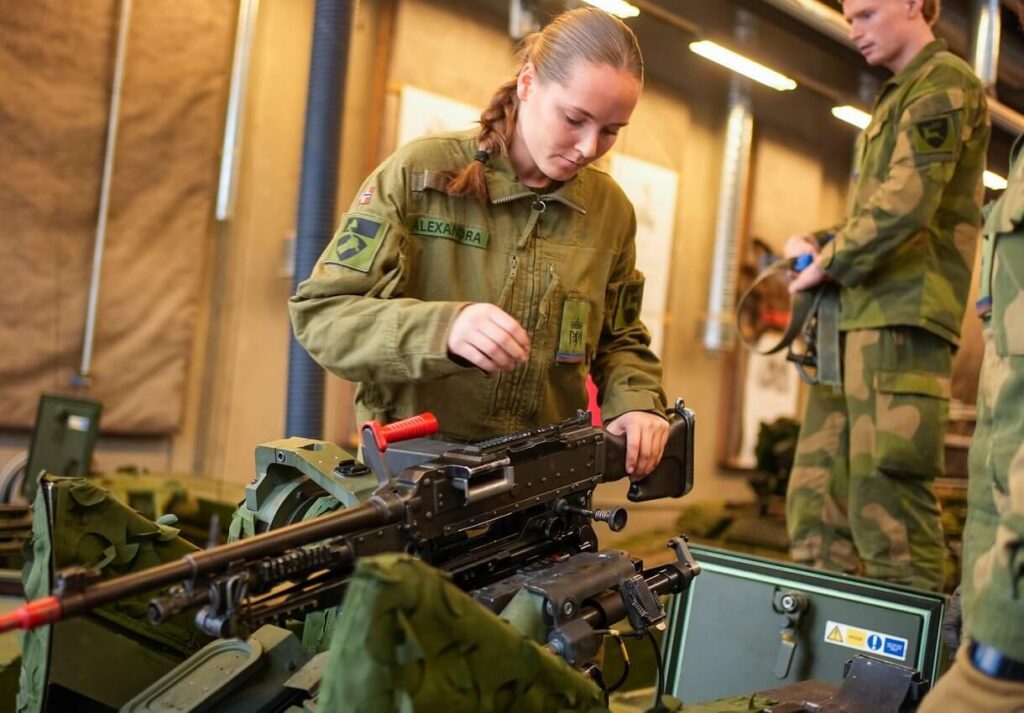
(408, 640)
(91, 529)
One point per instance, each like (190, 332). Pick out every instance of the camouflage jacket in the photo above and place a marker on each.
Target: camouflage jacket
(1001, 284)
(993, 579)
(905, 253)
(381, 300)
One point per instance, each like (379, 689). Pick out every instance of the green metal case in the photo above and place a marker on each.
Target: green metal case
(730, 634)
(63, 439)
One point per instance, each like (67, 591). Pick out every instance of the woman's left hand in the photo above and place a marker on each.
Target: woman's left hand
(646, 435)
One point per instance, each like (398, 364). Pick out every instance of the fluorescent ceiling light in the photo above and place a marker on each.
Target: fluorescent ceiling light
(619, 8)
(852, 115)
(994, 181)
(738, 63)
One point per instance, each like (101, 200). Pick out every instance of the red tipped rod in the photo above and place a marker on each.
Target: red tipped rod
(36, 613)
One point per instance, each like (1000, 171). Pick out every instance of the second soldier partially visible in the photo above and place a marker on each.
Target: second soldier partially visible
(861, 495)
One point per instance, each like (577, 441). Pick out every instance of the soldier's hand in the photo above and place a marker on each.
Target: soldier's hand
(800, 244)
(646, 435)
(811, 276)
(489, 338)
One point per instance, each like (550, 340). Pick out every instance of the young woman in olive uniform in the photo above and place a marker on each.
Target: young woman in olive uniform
(482, 275)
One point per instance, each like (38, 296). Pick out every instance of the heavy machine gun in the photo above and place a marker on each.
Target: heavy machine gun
(498, 516)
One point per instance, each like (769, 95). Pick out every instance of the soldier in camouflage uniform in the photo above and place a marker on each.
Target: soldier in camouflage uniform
(861, 495)
(482, 274)
(988, 674)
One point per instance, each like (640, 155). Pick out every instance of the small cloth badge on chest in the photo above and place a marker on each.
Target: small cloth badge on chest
(572, 338)
(357, 242)
(627, 311)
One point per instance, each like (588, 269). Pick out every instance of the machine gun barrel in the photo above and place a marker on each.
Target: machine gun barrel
(78, 589)
(80, 596)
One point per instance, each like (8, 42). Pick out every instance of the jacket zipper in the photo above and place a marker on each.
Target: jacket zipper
(515, 396)
(513, 269)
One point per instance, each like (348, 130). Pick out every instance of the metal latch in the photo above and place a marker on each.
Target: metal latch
(791, 606)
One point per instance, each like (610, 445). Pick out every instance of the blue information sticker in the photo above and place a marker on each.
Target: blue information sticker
(897, 648)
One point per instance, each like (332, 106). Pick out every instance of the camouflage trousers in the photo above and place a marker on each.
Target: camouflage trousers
(861, 495)
(993, 569)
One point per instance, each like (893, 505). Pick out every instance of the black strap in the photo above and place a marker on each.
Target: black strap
(814, 315)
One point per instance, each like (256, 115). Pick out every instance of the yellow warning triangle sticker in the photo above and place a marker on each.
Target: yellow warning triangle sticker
(835, 635)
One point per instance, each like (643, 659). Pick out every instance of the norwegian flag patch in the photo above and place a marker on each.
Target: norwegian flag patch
(366, 196)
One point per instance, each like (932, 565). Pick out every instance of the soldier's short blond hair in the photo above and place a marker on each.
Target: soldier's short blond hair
(930, 10)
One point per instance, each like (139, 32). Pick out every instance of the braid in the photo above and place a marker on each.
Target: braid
(497, 123)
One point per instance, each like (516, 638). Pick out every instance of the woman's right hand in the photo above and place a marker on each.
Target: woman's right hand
(489, 338)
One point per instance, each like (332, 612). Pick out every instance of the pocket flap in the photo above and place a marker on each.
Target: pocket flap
(900, 382)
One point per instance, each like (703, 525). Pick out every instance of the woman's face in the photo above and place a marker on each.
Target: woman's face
(563, 127)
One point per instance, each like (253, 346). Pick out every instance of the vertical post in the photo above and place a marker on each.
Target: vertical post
(986, 26)
(732, 197)
(233, 121)
(318, 190)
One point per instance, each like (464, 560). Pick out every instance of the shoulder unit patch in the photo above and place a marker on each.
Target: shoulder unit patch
(627, 311)
(357, 242)
(935, 135)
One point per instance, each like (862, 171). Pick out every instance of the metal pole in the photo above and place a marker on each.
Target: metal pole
(718, 329)
(83, 377)
(233, 122)
(985, 16)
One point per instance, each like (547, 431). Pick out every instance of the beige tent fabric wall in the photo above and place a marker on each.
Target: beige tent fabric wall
(56, 67)
(790, 187)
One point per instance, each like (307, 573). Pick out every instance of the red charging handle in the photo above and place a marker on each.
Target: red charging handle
(425, 424)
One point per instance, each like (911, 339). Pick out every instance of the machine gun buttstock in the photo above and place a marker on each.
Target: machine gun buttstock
(673, 476)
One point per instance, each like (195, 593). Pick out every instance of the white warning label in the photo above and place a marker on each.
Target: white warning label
(872, 642)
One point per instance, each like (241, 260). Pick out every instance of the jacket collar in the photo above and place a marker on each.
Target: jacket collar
(504, 187)
(920, 59)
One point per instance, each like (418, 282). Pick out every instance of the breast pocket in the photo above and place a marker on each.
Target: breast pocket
(544, 346)
(870, 140)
